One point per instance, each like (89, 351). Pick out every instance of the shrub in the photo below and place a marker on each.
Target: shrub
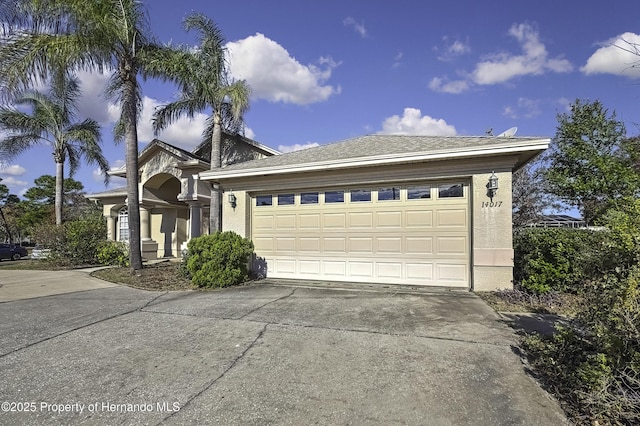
(75, 242)
(219, 260)
(559, 259)
(594, 366)
(114, 253)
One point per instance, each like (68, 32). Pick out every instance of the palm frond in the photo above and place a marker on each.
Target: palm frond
(166, 114)
(14, 145)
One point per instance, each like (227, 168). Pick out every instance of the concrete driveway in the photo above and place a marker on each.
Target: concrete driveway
(261, 354)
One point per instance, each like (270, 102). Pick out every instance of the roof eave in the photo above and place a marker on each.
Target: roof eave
(535, 145)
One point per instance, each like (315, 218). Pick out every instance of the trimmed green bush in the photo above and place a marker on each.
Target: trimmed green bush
(219, 260)
(114, 253)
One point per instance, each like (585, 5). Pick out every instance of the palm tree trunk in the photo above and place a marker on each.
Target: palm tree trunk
(129, 117)
(215, 207)
(59, 189)
(6, 224)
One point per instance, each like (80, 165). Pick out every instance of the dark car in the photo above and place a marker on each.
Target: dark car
(12, 251)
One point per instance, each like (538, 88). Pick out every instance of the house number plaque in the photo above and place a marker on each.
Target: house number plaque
(491, 204)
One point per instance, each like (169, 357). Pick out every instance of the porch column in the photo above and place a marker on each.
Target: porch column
(195, 220)
(111, 228)
(149, 247)
(145, 224)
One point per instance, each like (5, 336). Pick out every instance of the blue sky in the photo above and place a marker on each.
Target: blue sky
(323, 71)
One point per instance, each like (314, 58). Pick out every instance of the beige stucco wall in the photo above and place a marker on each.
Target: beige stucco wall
(492, 253)
(169, 228)
(237, 219)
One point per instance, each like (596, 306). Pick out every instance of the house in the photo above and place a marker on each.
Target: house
(419, 210)
(174, 202)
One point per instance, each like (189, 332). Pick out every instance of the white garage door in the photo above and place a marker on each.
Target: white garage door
(411, 234)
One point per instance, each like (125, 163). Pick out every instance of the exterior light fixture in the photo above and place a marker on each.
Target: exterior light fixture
(232, 199)
(492, 186)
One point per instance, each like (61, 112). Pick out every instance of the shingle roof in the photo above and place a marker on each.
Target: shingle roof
(372, 146)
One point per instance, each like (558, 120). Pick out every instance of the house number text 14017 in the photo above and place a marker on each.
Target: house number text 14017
(490, 204)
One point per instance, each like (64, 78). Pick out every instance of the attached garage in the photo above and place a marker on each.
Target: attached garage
(413, 210)
(404, 234)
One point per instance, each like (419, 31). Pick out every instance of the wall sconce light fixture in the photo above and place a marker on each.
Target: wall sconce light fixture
(232, 199)
(492, 186)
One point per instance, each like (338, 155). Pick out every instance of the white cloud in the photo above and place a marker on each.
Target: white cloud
(114, 181)
(443, 85)
(397, 60)
(13, 170)
(184, 132)
(248, 132)
(525, 108)
(616, 56)
(93, 103)
(13, 182)
(276, 76)
(533, 60)
(452, 48)
(297, 147)
(413, 122)
(502, 67)
(357, 27)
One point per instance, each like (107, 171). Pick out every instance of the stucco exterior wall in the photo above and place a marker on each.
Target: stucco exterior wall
(237, 219)
(492, 254)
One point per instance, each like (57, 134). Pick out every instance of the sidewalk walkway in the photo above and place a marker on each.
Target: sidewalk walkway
(19, 285)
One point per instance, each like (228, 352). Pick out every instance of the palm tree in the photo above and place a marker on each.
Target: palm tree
(109, 35)
(204, 82)
(50, 121)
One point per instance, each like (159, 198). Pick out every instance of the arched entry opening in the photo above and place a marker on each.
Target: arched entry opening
(163, 219)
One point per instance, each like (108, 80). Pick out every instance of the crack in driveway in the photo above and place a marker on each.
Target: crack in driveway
(220, 376)
(80, 327)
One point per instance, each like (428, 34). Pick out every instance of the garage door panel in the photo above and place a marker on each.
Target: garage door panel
(389, 219)
(419, 245)
(309, 244)
(310, 267)
(334, 220)
(389, 245)
(335, 245)
(452, 273)
(361, 245)
(334, 268)
(452, 218)
(285, 221)
(419, 271)
(389, 270)
(452, 245)
(361, 220)
(419, 219)
(361, 269)
(405, 241)
(309, 222)
(263, 222)
(284, 266)
(285, 244)
(263, 244)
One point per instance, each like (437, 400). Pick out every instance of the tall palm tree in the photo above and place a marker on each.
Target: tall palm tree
(110, 35)
(51, 121)
(204, 82)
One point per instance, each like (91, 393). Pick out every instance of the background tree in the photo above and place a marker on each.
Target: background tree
(5, 199)
(93, 35)
(51, 121)
(529, 193)
(204, 82)
(591, 160)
